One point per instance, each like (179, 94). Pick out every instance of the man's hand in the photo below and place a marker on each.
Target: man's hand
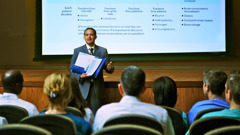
(84, 75)
(109, 66)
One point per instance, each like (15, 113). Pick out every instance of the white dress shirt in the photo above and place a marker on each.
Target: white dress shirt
(12, 99)
(3, 121)
(131, 105)
(88, 48)
(89, 117)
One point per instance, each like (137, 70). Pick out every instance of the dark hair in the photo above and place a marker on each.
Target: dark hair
(10, 79)
(165, 91)
(133, 80)
(77, 99)
(95, 32)
(216, 80)
(233, 84)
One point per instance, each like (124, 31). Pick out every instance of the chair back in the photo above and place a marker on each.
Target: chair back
(127, 129)
(56, 124)
(74, 111)
(227, 130)
(71, 110)
(201, 113)
(203, 125)
(13, 113)
(135, 119)
(177, 120)
(22, 129)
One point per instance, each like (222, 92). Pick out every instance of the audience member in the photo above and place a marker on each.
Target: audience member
(12, 82)
(165, 94)
(213, 87)
(232, 95)
(78, 101)
(3, 121)
(58, 89)
(132, 84)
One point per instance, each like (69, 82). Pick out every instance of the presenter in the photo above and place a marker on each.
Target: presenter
(92, 89)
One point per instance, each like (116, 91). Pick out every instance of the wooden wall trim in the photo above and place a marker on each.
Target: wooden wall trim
(114, 84)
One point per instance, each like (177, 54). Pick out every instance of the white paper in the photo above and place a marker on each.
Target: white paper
(93, 66)
(88, 62)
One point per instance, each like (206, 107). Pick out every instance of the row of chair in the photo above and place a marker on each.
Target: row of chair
(209, 126)
(119, 129)
(14, 114)
(55, 124)
(23, 129)
(203, 125)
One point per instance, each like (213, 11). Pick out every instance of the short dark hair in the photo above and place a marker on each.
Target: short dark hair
(10, 79)
(216, 80)
(133, 80)
(94, 31)
(233, 84)
(165, 91)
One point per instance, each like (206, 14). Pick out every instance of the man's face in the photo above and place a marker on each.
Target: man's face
(19, 86)
(90, 37)
(204, 89)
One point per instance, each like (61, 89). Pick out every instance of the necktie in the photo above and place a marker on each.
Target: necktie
(91, 51)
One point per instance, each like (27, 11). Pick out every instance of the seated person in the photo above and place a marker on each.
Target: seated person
(232, 95)
(165, 94)
(57, 87)
(12, 82)
(78, 101)
(213, 87)
(3, 121)
(132, 84)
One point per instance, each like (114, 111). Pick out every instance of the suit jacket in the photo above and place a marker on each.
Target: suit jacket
(98, 83)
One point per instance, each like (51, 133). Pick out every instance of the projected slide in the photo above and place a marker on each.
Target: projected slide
(134, 26)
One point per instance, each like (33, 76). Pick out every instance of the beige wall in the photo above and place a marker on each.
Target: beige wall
(17, 43)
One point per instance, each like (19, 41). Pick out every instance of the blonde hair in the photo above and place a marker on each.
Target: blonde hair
(58, 89)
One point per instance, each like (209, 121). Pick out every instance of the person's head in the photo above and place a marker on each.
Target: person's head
(165, 91)
(214, 81)
(90, 35)
(77, 100)
(12, 81)
(233, 88)
(132, 81)
(58, 89)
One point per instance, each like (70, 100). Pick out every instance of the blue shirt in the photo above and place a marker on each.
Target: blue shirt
(83, 127)
(206, 104)
(185, 120)
(232, 113)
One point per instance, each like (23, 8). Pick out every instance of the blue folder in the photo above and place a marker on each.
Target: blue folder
(81, 70)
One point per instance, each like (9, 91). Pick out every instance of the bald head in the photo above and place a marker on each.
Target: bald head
(12, 81)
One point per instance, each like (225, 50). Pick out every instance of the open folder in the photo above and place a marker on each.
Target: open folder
(89, 64)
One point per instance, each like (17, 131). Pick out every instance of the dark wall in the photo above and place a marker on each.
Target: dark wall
(17, 43)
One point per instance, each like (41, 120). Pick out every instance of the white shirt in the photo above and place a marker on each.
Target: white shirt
(131, 105)
(12, 99)
(3, 121)
(89, 117)
(88, 47)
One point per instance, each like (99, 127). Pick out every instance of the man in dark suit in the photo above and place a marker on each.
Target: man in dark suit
(92, 89)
